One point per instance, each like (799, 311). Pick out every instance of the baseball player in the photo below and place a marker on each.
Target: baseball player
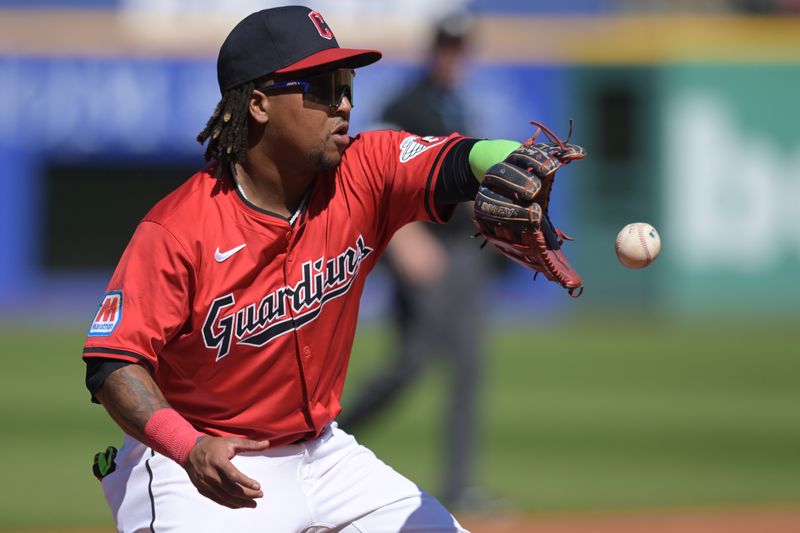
(222, 342)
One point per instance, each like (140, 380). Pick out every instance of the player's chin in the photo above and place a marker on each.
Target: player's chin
(329, 159)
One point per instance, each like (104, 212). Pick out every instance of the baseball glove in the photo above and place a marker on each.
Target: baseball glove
(511, 208)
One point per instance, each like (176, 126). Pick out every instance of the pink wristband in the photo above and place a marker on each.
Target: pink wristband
(171, 435)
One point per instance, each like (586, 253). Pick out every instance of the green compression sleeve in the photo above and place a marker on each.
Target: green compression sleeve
(486, 153)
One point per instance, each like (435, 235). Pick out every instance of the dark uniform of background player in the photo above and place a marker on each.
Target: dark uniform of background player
(434, 268)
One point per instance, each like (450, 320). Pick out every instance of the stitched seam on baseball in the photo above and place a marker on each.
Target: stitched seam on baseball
(644, 242)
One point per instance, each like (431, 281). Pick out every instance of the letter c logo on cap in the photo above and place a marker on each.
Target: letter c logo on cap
(321, 25)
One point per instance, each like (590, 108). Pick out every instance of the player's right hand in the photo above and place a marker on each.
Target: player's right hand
(212, 473)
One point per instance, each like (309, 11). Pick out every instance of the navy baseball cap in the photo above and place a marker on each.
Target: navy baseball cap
(283, 40)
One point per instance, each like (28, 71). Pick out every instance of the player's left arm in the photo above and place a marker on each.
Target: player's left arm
(411, 178)
(486, 153)
(464, 166)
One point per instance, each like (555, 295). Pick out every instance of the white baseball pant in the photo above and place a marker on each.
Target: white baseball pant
(331, 484)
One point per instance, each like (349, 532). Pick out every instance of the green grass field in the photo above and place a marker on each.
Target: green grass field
(585, 417)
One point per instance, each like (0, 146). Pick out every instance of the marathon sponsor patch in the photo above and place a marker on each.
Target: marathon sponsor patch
(412, 146)
(108, 315)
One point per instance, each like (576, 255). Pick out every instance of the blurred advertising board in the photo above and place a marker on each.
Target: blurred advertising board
(709, 154)
(731, 186)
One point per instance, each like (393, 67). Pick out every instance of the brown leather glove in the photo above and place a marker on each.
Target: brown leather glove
(511, 208)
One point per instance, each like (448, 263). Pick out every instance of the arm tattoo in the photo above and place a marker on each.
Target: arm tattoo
(131, 396)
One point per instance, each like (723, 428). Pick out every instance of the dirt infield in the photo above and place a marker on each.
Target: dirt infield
(762, 520)
(784, 520)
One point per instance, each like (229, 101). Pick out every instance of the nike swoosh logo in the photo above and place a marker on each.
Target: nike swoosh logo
(222, 256)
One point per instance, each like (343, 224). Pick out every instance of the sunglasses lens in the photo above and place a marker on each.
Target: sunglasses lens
(343, 85)
(331, 88)
(328, 89)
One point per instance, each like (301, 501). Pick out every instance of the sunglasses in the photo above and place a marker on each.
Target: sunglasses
(327, 89)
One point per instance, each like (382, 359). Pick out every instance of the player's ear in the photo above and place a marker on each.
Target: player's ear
(258, 107)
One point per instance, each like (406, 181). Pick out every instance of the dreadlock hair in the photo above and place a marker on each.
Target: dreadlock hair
(226, 130)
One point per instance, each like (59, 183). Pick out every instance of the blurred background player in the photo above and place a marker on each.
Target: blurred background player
(433, 270)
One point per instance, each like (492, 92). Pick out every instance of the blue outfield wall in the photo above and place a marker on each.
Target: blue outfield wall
(81, 110)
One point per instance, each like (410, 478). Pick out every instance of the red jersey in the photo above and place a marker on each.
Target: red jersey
(245, 321)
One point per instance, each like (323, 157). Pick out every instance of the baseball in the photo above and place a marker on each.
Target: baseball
(638, 245)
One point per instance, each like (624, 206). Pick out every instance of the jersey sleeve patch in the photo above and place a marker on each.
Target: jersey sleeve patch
(108, 316)
(412, 146)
